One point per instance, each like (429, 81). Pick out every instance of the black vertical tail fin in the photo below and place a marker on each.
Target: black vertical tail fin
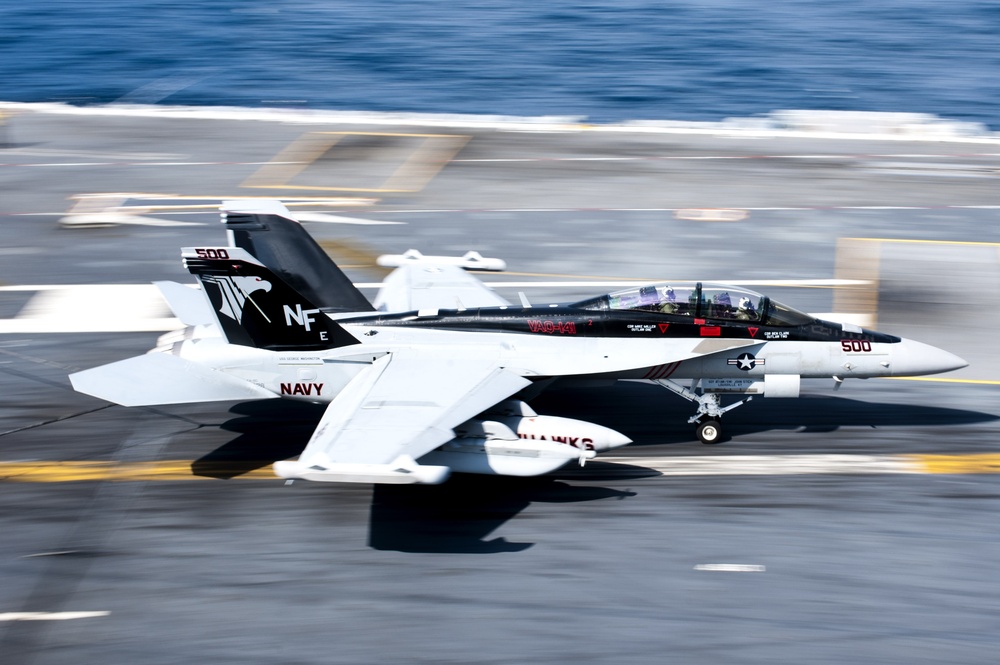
(257, 308)
(267, 231)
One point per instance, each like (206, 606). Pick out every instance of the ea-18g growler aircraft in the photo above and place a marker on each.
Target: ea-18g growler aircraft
(431, 377)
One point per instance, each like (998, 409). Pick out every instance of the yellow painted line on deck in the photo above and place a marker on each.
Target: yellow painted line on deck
(959, 464)
(694, 465)
(928, 242)
(293, 159)
(425, 163)
(77, 471)
(416, 171)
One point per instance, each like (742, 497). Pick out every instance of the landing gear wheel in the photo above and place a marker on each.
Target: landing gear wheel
(709, 432)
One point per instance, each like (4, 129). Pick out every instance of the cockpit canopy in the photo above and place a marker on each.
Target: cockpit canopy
(705, 302)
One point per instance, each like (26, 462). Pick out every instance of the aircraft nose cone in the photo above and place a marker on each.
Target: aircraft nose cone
(910, 358)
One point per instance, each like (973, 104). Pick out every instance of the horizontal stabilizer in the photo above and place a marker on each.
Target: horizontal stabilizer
(159, 378)
(404, 470)
(188, 304)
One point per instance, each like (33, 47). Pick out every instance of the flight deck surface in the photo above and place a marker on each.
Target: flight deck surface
(858, 524)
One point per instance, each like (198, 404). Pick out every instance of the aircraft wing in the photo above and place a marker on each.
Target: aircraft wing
(425, 285)
(396, 410)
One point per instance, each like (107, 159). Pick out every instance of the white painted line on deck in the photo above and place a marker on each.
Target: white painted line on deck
(46, 326)
(466, 211)
(772, 465)
(806, 283)
(95, 308)
(50, 616)
(154, 292)
(731, 567)
(88, 154)
(671, 210)
(86, 308)
(54, 553)
(125, 163)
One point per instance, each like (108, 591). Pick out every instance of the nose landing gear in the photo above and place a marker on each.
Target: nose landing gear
(709, 431)
(710, 409)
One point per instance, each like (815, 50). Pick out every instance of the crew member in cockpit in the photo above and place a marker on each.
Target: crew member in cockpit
(746, 311)
(668, 300)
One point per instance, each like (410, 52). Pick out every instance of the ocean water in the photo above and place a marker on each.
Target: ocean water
(609, 61)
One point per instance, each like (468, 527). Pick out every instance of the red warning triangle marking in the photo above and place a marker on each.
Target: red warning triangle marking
(753, 331)
(663, 327)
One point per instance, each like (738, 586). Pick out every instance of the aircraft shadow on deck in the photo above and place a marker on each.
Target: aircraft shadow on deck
(268, 431)
(455, 517)
(650, 415)
(458, 516)
(825, 413)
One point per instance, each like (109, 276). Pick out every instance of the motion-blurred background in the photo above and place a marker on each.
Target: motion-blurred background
(608, 61)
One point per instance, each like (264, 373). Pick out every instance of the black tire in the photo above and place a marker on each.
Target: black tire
(709, 432)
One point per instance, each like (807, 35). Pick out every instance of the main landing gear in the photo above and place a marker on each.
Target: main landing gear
(710, 409)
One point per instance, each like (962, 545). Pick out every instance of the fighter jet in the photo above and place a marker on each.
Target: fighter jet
(428, 379)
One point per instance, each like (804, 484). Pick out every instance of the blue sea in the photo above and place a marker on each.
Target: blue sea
(608, 61)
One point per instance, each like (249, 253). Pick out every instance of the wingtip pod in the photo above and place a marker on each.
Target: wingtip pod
(470, 260)
(403, 471)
